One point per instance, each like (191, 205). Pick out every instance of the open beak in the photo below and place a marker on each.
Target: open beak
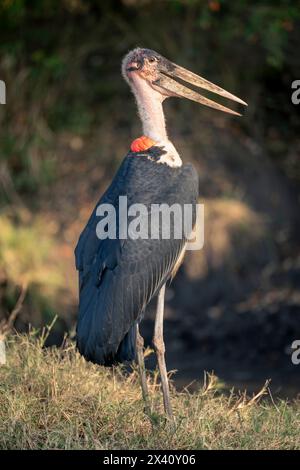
(165, 81)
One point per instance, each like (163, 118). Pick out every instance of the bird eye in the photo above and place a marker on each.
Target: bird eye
(152, 59)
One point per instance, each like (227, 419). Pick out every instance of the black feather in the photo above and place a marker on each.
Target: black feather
(118, 278)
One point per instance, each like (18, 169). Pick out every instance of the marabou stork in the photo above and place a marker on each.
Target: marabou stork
(118, 277)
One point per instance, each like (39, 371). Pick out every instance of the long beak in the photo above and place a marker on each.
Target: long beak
(169, 69)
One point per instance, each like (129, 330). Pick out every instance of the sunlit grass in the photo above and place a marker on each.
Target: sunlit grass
(28, 263)
(52, 398)
(24, 252)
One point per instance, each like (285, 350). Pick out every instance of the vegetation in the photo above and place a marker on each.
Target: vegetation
(68, 122)
(53, 399)
(42, 52)
(64, 89)
(24, 267)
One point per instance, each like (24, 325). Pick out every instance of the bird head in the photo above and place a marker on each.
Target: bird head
(143, 67)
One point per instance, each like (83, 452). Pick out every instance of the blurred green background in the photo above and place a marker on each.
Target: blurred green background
(68, 122)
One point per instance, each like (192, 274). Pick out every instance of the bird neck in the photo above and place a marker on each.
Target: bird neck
(153, 119)
(150, 109)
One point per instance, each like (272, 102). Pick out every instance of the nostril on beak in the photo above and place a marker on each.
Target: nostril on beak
(136, 65)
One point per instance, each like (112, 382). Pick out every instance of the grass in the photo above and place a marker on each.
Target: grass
(28, 261)
(53, 399)
(24, 251)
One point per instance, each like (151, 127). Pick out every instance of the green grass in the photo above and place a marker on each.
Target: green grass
(53, 399)
(28, 261)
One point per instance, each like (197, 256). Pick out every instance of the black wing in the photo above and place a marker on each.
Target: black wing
(118, 278)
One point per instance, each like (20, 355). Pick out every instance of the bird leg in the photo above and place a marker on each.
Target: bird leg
(142, 370)
(159, 346)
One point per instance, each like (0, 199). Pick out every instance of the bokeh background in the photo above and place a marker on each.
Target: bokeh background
(234, 307)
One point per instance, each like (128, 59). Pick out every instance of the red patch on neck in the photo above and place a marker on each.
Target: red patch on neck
(142, 143)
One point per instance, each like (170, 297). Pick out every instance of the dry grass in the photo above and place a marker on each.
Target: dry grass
(52, 398)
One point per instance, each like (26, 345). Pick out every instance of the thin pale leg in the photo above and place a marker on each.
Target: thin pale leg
(159, 346)
(142, 369)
